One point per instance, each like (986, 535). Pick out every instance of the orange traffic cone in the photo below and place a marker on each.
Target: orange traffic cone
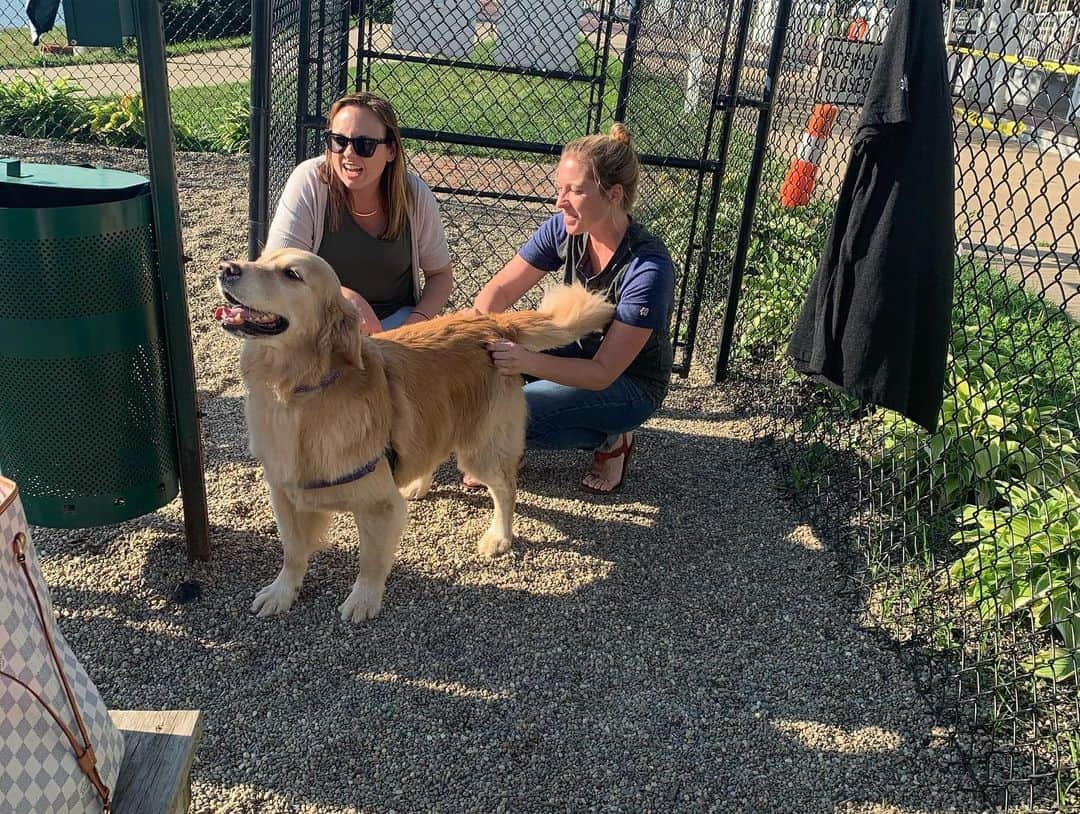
(799, 183)
(858, 29)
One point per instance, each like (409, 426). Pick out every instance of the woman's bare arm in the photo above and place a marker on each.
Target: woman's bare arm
(508, 286)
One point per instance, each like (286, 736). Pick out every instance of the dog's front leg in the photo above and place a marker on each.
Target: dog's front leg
(379, 526)
(300, 533)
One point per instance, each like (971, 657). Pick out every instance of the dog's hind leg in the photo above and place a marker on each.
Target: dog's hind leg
(496, 466)
(301, 533)
(500, 534)
(379, 526)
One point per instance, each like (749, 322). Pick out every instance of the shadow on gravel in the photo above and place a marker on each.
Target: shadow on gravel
(704, 664)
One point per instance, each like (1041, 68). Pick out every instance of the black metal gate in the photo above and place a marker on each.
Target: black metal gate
(489, 91)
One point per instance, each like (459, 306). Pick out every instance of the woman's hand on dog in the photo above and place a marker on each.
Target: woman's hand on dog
(509, 357)
(369, 323)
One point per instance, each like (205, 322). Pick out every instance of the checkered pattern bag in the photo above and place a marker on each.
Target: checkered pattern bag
(59, 751)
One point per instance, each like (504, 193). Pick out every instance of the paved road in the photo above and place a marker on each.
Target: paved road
(190, 70)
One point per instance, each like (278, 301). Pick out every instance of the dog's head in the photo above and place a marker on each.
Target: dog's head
(291, 300)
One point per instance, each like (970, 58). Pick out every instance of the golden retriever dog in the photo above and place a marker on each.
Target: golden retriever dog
(343, 422)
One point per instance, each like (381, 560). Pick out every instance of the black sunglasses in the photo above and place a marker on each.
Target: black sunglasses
(364, 146)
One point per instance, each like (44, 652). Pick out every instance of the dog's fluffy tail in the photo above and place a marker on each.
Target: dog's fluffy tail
(566, 313)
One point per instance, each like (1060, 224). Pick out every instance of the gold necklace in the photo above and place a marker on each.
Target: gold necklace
(374, 211)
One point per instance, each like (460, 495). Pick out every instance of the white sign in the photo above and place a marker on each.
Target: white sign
(844, 75)
(446, 27)
(538, 34)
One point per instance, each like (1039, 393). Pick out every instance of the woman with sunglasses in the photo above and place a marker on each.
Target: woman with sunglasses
(374, 222)
(594, 393)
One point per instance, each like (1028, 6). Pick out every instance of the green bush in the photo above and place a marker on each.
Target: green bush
(379, 11)
(1001, 476)
(1026, 561)
(37, 109)
(122, 123)
(185, 20)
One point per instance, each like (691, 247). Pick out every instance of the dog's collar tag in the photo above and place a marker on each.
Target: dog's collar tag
(327, 380)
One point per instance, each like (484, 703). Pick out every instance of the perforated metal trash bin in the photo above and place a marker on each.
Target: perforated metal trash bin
(86, 427)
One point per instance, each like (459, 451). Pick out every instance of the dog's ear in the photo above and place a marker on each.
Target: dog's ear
(340, 332)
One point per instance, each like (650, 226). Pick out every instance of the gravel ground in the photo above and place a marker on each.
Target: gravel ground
(680, 646)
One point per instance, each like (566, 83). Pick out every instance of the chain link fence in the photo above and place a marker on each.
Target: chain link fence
(964, 544)
(66, 92)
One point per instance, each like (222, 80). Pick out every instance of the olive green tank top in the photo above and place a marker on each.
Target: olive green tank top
(378, 270)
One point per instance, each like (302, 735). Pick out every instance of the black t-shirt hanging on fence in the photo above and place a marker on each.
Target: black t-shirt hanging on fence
(877, 315)
(42, 17)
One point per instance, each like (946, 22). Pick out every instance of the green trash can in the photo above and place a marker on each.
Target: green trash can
(86, 425)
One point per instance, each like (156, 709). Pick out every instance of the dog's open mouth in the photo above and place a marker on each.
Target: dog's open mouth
(239, 318)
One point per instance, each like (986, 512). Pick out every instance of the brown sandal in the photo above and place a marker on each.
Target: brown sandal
(624, 449)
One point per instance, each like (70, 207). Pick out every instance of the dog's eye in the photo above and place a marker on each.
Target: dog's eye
(293, 274)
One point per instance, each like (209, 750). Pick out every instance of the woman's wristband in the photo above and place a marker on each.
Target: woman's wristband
(421, 313)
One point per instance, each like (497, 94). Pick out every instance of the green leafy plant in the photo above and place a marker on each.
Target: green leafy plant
(122, 123)
(996, 490)
(987, 436)
(34, 108)
(119, 122)
(1026, 560)
(233, 131)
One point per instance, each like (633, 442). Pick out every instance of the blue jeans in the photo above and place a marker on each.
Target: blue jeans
(396, 319)
(562, 417)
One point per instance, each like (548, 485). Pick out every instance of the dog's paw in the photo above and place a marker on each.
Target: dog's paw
(275, 598)
(417, 489)
(493, 544)
(363, 603)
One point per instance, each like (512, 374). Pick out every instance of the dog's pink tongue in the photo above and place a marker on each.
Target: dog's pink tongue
(229, 314)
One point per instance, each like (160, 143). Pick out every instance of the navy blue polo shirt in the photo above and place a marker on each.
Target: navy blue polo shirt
(639, 281)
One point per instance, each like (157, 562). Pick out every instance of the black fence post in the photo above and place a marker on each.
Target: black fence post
(362, 46)
(772, 74)
(632, 33)
(341, 81)
(728, 103)
(154, 81)
(259, 146)
(303, 81)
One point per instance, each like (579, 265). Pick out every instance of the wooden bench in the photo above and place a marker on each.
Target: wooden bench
(159, 747)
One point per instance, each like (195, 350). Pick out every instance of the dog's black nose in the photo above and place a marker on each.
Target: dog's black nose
(228, 270)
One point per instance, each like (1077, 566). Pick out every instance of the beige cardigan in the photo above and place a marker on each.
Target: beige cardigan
(301, 213)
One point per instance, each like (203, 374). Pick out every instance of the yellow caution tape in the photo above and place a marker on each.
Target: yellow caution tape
(1031, 62)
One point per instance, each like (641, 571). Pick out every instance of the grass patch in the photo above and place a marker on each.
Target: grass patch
(454, 100)
(199, 108)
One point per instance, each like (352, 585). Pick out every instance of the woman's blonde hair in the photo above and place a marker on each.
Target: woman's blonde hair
(395, 190)
(611, 159)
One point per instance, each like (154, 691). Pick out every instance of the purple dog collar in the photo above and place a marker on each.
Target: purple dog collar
(355, 475)
(327, 380)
